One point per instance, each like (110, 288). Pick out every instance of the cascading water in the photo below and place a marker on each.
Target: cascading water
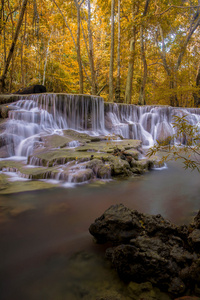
(47, 114)
(146, 123)
(33, 118)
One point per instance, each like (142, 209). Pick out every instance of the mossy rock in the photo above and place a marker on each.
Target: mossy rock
(2, 125)
(133, 153)
(55, 141)
(8, 98)
(110, 146)
(118, 166)
(35, 173)
(104, 172)
(78, 136)
(12, 164)
(3, 182)
(142, 165)
(24, 171)
(145, 290)
(22, 186)
(51, 157)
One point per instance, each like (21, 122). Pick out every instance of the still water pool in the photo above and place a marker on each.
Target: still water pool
(43, 233)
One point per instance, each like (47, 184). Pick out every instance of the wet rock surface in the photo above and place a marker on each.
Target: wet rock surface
(76, 157)
(148, 248)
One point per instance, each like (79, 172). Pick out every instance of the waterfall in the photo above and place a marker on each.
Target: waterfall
(36, 115)
(146, 123)
(34, 119)
(42, 114)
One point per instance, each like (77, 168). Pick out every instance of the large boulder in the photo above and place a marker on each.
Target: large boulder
(149, 248)
(33, 89)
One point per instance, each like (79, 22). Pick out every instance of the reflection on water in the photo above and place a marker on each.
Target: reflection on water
(40, 230)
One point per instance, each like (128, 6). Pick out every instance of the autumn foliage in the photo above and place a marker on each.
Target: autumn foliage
(66, 45)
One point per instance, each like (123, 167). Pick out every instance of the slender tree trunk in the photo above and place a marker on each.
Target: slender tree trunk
(142, 100)
(22, 53)
(118, 91)
(196, 95)
(129, 80)
(111, 92)
(91, 53)
(46, 58)
(79, 50)
(3, 77)
(2, 16)
(12, 63)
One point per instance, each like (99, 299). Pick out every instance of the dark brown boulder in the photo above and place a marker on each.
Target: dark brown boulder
(149, 248)
(33, 89)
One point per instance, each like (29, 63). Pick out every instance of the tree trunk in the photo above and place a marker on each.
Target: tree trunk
(91, 53)
(173, 97)
(196, 95)
(142, 100)
(111, 93)
(3, 77)
(79, 50)
(46, 58)
(118, 91)
(2, 16)
(129, 79)
(22, 53)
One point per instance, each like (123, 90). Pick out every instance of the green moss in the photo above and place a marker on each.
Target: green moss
(109, 146)
(8, 98)
(56, 141)
(22, 186)
(10, 164)
(3, 182)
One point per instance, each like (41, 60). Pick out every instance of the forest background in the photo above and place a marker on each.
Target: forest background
(130, 51)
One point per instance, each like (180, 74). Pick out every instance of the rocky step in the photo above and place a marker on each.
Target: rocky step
(149, 248)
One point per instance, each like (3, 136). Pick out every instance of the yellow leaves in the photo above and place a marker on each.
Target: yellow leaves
(142, 224)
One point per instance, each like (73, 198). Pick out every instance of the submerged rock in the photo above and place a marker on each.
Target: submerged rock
(150, 248)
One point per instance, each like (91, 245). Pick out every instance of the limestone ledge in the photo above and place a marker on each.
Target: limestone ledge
(95, 157)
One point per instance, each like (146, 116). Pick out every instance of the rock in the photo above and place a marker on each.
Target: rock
(4, 110)
(194, 239)
(2, 125)
(3, 182)
(141, 166)
(3, 140)
(33, 89)
(197, 221)
(55, 141)
(104, 172)
(145, 291)
(164, 132)
(81, 176)
(176, 286)
(148, 248)
(8, 98)
(4, 152)
(188, 298)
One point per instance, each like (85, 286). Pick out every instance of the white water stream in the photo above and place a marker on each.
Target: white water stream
(37, 115)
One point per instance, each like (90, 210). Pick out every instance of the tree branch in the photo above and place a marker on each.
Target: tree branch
(175, 6)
